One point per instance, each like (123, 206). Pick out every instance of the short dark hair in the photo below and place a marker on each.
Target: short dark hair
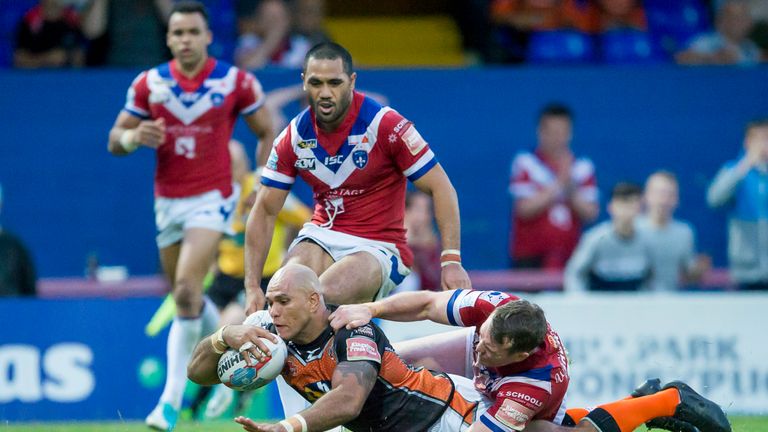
(757, 123)
(521, 322)
(330, 51)
(626, 190)
(189, 7)
(556, 109)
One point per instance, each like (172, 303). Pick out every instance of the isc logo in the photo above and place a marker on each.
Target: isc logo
(65, 375)
(334, 160)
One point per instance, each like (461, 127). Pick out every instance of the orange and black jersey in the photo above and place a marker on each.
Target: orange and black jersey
(402, 399)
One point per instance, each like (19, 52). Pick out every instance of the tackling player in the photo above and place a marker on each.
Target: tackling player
(186, 110)
(519, 364)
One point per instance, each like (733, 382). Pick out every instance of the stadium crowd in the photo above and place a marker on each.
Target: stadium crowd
(277, 33)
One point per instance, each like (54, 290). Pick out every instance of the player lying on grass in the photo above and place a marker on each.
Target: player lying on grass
(520, 366)
(353, 377)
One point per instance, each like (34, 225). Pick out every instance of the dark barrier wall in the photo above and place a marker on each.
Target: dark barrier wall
(67, 197)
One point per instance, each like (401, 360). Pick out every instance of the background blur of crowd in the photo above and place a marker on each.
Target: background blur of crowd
(258, 33)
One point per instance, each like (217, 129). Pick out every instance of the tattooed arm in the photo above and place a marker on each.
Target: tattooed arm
(351, 383)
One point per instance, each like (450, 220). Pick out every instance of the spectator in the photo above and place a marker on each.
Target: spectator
(17, 271)
(49, 36)
(258, 45)
(612, 256)
(422, 239)
(671, 241)
(621, 14)
(516, 20)
(729, 43)
(127, 33)
(742, 187)
(553, 193)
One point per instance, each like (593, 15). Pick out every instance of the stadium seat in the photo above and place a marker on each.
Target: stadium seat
(628, 46)
(672, 24)
(560, 46)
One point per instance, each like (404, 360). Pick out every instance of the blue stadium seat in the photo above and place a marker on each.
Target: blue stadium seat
(628, 46)
(560, 46)
(673, 24)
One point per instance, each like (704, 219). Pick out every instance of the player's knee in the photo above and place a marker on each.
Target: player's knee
(340, 293)
(188, 297)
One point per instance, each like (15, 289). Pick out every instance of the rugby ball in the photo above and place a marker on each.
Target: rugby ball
(236, 374)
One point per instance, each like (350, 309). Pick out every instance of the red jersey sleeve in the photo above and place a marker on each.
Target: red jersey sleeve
(467, 308)
(137, 98)
(408, 149)
(515, 406)
(250, 94)
(281, 169)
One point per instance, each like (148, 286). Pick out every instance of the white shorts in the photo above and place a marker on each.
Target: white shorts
(451, 421)
(208, 210)
(338, 245)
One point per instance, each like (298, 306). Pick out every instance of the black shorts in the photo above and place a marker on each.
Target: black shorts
(225, 289)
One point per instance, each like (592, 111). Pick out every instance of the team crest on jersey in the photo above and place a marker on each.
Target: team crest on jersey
(307, 144)
(217, 99)
(360, 158)
(494, 297)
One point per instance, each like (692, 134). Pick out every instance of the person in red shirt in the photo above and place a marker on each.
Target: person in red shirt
(520, 366)
(554, 193)
(185, 110)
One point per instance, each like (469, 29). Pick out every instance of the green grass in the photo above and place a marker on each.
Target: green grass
(740, 424)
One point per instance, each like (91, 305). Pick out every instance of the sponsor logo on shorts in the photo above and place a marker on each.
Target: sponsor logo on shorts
(307, 144)
(359, 348)
(513, 414)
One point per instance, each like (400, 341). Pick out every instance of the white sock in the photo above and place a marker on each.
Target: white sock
(182, 338)
(211, 317)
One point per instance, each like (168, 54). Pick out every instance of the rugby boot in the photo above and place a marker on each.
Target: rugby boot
(672, 424)
(697, 410)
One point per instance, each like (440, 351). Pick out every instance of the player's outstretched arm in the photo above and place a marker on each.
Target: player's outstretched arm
(258, 237)
(407, 306)
(446, 203)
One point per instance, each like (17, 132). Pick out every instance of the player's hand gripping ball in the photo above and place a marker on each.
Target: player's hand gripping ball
(236, 374)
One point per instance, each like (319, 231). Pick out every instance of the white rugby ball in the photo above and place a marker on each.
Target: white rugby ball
(236, 374)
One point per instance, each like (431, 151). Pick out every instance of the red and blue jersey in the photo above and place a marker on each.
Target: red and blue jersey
(200, 113)
(532, 389)
(357, 172)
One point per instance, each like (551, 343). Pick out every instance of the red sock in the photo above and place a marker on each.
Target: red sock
(627, 414)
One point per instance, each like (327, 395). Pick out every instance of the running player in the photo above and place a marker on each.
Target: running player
(185, 110)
